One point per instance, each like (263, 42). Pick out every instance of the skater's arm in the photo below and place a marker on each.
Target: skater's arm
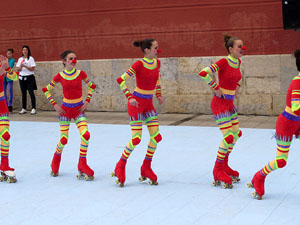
(47, 92)
(205, 75)
(158, 86)
(122, 79)
(295, 100)
(91, 89)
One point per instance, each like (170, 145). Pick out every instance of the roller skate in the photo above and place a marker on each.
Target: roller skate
(220, 177)
(7, 173)
(85, 172)
(230, 172)
(120, 172)
(258, 182)
(55, 165)
(147, 172)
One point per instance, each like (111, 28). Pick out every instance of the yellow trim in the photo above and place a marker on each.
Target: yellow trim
(1, 94)
(145, 92)
(72, 100)
(289, 110)
(227, 92)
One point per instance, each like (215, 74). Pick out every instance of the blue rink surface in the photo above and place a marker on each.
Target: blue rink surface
(183, 162)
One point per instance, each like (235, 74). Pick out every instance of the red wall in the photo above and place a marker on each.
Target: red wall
(97, 29)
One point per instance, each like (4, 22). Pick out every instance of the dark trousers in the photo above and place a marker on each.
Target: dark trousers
(28, 83)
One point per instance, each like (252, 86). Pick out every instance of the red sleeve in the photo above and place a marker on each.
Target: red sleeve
(83, 74)
(136, 66)
(56, 78)
(158, 63)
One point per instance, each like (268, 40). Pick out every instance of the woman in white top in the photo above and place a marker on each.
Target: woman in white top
(25, 66)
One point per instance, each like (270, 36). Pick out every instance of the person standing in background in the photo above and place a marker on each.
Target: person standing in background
(8, 82)
(26, 66)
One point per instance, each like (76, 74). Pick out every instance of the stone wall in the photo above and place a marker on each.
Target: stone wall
(265, 80)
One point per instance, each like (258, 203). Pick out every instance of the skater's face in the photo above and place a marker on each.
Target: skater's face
(237, 50)
(152, 52)
(70, 61)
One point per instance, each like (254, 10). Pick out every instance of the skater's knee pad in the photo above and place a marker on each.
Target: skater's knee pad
(6, 136)
(86, 135)
(229, 139)
(158, 138)
(64, 140)
(281, 163)
(136, 140)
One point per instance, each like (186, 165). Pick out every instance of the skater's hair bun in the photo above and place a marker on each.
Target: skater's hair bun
(65, 54)
(297, 56)
(147, 43)
(229, 41)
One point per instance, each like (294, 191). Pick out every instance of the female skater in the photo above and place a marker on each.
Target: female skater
(287, 125)
(223, 108)
(72, 108)
(7, 173)
(140, 108)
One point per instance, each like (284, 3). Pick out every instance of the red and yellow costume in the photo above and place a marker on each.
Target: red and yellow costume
(4, 122)
(148, 79)
(224, 112)
(287, 125)
(71, 82)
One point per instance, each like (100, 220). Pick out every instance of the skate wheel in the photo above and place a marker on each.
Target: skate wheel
(78, 176)
(9, 180)
(225, 186)
(249, 185)
(53, 174)
(235, 179)
(257, 196)
(141, 179)
(216, 183)
(152, 182)
(1, 179)
(88, 178)
(113, 174)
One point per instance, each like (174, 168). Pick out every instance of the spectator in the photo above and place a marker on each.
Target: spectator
(8, 82)
(26, 66)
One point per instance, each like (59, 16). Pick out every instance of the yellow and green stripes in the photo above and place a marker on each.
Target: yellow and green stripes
(81, 123)
(64, 134)
(158, 86)
(150, 64)
(70, 75)
(205, 75)
(4, 135)
(91, 89)
(283, 147)
(47, 92)
(155, 137)
(122, 82)
(233, 62)
(136, 130)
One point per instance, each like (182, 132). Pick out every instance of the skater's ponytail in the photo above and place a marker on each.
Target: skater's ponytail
(64, 55)
(147, 43)
(229, 41)
(297, 56)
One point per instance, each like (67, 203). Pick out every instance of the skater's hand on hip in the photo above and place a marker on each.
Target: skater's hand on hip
(59, 109)
(84, 107)
(161, 100)
(219, 93)
(133, 102)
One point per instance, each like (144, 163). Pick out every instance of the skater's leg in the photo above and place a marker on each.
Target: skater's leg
(4, 137)
(64, 124)
(136, 135)
(155, 136)
(237, 133)
(81, 123)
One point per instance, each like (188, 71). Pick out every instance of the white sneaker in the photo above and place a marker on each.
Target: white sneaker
(33, 111)
(23, 111)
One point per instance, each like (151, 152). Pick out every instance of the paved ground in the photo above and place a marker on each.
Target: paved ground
(267, 122)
